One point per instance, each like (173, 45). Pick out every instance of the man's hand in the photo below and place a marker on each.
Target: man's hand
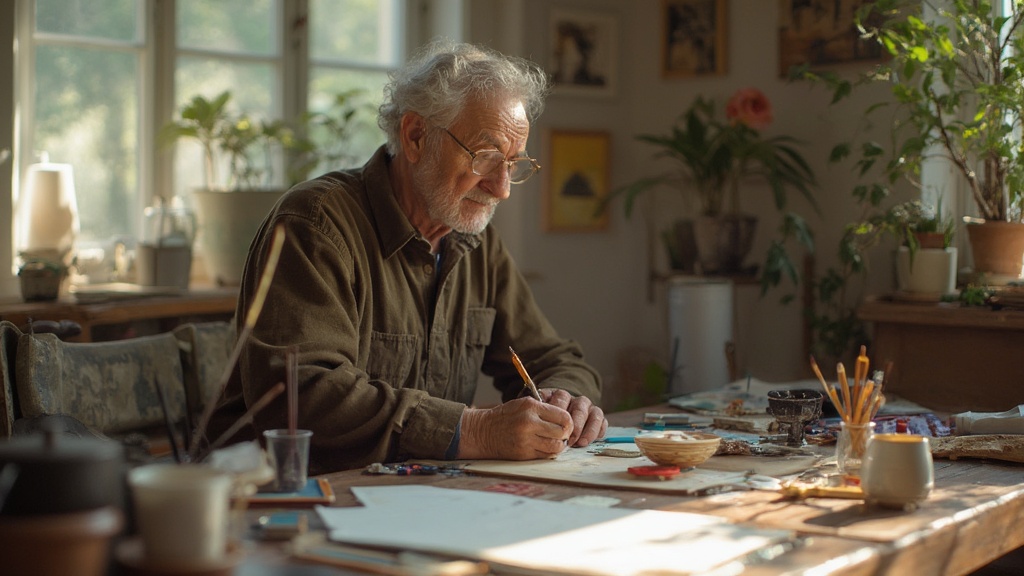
(588, 420)
(521, 429)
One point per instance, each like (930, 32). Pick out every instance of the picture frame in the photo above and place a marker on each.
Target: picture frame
(822, 34)
(577, 181)
(583, 53)
(694, 38)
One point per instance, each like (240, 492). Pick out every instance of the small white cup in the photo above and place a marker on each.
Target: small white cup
(897, 471)
(182, 513)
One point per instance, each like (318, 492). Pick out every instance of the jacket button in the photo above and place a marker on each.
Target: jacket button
(428, 269)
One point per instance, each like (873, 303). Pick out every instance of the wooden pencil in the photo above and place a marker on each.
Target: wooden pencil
(841, 372)
(525, 375)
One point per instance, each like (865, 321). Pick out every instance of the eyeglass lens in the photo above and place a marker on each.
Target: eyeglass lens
(487, 161)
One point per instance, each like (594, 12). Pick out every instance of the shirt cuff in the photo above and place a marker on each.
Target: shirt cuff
(453, 448)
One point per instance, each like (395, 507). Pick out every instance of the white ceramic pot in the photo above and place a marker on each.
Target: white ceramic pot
(933, 270)
(227, 223)
(897, 471)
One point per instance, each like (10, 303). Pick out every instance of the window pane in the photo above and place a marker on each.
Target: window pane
(363, 31)
(240, 26)
(358, 143)
(110, 19)
(86, 116)
(253, 91)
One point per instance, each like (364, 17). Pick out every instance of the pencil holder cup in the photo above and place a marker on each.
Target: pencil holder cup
(851, 445)
(289, 457)
(898, 470)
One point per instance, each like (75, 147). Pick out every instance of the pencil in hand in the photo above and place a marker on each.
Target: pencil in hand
(526, 376)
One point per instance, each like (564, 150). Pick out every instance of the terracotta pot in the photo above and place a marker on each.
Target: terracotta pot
(997, 247)
(723, 242)
(930, 240)
(71, 544)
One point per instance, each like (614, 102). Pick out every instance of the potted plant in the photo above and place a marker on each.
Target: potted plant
(41, 278)
(955, 75)
(925, 257)
(712, 158)
(229, 211)
(923, 272)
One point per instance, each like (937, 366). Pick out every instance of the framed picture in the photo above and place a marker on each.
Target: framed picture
(694, 38)
(577, 181)
(584, 49)
(822, 33)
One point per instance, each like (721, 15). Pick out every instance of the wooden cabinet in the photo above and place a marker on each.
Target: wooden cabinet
(950, 358)
(127, 315)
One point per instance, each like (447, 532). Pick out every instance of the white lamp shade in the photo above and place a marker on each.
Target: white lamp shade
(47, 214)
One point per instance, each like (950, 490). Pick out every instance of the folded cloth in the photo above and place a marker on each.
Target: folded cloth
(1009, 422)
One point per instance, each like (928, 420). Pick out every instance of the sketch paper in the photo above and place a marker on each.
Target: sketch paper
(582, 467)
(541, 535)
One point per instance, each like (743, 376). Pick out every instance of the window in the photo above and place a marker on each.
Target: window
(82, 103)
(99, 77)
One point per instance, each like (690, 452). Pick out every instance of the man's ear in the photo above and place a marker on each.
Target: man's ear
(413, 135)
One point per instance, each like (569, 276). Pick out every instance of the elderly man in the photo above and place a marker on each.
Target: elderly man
(396, 292)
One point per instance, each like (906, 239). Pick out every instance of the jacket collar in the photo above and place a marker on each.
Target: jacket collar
(393, 227)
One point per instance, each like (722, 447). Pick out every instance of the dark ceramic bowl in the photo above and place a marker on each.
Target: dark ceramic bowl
(58, 474)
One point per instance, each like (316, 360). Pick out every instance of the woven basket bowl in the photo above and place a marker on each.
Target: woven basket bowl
(683, 449)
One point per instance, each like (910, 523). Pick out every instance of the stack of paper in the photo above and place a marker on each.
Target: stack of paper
(544, 536)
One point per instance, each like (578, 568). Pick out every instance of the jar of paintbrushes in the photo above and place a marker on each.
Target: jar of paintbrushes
(857, 405)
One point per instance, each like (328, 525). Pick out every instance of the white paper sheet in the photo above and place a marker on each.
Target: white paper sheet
(541, 535)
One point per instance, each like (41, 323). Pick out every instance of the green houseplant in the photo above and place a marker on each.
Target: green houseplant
(915, 228)
(229, 210)
(955, 71)
(246, 144)
(711, 158)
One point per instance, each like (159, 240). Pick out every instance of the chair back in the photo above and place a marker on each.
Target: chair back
(9, 335)
(110, 386)
(205, 350)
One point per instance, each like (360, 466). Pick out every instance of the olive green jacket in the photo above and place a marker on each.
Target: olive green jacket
(384, 371)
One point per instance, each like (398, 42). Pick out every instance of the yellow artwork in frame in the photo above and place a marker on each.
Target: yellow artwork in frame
(577, 181)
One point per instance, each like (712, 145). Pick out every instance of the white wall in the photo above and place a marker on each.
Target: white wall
(594, 285)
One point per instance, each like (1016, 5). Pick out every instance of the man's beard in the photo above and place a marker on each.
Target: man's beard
(429, 180)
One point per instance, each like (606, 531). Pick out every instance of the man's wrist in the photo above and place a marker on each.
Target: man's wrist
(469, 434)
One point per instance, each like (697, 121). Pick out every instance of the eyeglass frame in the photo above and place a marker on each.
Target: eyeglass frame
(508, 163)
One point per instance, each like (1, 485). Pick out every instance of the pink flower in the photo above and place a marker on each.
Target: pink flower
(751, 107)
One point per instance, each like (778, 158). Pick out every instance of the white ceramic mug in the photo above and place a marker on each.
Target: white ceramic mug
(182, 513)
(897, 470)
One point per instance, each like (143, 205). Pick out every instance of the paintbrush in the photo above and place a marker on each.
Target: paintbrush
(250, 321)
(526, 377)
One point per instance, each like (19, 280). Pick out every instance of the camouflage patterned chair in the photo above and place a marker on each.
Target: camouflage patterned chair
(112, 387)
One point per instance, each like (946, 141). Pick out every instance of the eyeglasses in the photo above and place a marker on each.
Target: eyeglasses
(486, 161)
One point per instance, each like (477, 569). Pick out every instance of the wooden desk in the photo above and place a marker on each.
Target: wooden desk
(948, 357)
(971, 518)
(119, 318)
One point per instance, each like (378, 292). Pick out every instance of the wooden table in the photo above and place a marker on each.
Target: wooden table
(949, 357)
(971, 518)
(122, 316)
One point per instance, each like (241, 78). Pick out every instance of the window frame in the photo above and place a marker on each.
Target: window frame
(158, 57)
